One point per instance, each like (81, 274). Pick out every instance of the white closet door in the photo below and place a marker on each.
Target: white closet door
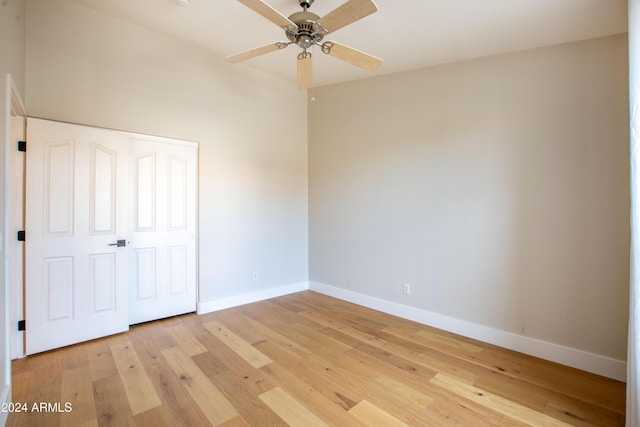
(76, 211)
(163, 252)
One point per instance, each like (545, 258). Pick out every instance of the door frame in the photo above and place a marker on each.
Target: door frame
(14, 107)
(14, 291)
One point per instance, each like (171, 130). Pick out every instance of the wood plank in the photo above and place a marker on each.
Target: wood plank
(336, 384)
(437, 338)
(412, 351)
(580, 414)
(516, 390)
(246, 328)
(251, 408)
(44, 386)
(140, 392)
(112, 406)
(400, 349)
(436, 414)
(490, 400)
(286, 352)
(77, 391)
(184, 339)
(510, 422)
(77, 356)
(209, 364)
(20, 386)
(384, 360)
(327, 410)
(290, 410)
(288, 304)
(158, 416)
(585, 386)
(260, 333)
(235, 422)
(220, 354)
(510, 376)
(241, 347)
(207, 396)
(269, 314)
(308, 300)
(157, 331)
(405, 392)
(562, 380)
(178, 407)
(372, 415)
(446, 408)
(316, 342)
(101, 359)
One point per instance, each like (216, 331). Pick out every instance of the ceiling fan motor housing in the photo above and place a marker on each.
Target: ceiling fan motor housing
(307, 31)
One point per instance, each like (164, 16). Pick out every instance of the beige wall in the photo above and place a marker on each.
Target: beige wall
(12, 20)
(498, 188)
(88, 68)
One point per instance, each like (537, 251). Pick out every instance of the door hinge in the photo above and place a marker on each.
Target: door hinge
(22, 146)
(22, 325)
(21, 236)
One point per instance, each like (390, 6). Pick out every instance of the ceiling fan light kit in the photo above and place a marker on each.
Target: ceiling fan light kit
(306, 29)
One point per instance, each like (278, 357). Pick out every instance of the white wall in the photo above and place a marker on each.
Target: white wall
(88, 68)
(498, 188)
(12, 42)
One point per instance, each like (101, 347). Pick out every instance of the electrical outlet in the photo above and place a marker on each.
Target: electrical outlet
(406, 289)
(255, 275)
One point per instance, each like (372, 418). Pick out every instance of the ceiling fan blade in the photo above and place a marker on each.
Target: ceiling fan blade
(346, 14)
(304, 73)
(353, 56)
(268, 12)
(247, 54)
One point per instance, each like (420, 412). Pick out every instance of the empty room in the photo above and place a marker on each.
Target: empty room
(326, 212)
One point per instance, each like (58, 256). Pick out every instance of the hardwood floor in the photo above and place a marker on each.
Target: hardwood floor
(303, 360)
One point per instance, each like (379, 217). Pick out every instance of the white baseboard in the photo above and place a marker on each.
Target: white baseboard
(5, 401)
(234, 301)
(590, 362)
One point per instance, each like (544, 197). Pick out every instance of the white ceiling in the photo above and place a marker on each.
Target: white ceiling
(405, 34)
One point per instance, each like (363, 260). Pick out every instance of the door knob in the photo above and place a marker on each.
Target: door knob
(119, 243)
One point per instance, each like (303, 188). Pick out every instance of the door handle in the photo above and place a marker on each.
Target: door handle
(119, 243)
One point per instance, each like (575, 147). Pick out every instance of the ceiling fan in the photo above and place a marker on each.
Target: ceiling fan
(306, 29)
